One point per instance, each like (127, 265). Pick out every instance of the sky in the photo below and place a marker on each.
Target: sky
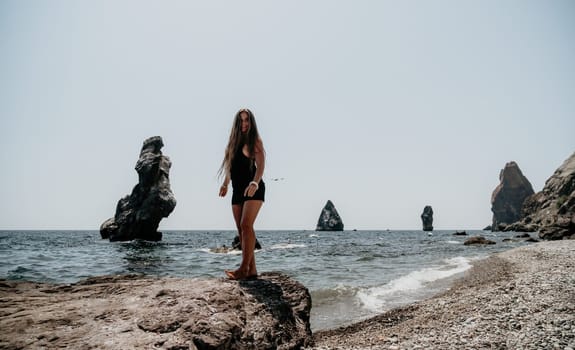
(382, 107)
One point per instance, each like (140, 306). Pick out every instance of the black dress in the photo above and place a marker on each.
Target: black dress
(242, 173)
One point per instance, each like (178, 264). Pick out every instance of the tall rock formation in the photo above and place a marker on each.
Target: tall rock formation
(329, 219)
(508, 197)
(138, 214)
(552, 210)
(427, 218)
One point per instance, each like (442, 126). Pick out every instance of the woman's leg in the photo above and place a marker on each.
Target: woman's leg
(247, 268)
(237, 211)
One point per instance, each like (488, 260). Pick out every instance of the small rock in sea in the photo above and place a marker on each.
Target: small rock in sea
(477, 240)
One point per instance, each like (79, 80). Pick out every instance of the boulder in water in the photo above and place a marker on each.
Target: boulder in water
(477, 240)
(237, 244)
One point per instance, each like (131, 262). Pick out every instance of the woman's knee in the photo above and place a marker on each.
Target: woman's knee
(246, 227)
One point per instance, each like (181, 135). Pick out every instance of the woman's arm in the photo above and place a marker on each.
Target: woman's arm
(224, 187)
(260, 158)
(260, 161)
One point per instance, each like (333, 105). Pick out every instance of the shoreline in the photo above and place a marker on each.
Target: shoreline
(521, 298)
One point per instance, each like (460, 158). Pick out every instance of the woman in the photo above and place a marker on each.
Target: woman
(243, 164)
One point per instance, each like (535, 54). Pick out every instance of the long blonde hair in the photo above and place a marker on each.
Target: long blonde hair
(237, 140)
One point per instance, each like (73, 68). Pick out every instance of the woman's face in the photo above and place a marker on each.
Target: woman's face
(245, 122)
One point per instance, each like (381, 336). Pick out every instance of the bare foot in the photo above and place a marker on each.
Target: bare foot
(239, 275)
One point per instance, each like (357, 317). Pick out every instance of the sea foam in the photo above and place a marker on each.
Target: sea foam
(410, 286)
(287, 246)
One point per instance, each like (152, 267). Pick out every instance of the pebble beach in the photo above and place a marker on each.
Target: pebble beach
(523, 298)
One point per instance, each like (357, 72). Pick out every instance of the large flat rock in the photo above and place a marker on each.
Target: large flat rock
(128, 312)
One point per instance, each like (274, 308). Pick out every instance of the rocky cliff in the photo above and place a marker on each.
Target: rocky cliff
(508, 197)
(138, 215)
(427, 218)
(552, 210)
(329, 219)
(135, 312)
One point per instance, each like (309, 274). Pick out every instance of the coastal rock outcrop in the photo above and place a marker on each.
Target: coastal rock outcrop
(552, 210)
(329, 219)
(138, 215)
(508, 197)
(427, 218)
(135, 312)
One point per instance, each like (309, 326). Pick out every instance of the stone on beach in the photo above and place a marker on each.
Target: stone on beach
(136, 312)
(138, 215)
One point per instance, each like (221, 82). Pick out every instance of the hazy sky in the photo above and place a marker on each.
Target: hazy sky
(381, 106)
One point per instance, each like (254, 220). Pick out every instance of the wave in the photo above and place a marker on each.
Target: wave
(228, 251)
(328, 296)
(216, 251)
(411, 285)
(286, 246)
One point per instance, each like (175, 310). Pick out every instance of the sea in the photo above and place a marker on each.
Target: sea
(351, 275)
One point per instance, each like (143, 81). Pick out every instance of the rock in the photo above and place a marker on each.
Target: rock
(135, 312)
(523, 235)
(329, 219)
(477, 240)
(552, 210)
(508, 197)
(138, 215)
(236, 244)
(487, 228)
(427, 218)
(518, 227)
(460, 233)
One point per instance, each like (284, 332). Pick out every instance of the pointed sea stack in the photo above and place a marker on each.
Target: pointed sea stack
(427, 218)
(329, 219)
(138, 215)
(508, 197)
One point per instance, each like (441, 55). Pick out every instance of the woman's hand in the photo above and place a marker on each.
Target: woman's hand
(251, 189)
(223, 190)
